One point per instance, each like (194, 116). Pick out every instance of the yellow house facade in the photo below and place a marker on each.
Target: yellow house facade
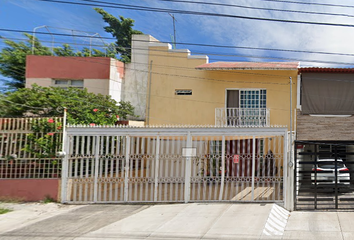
(187, 89)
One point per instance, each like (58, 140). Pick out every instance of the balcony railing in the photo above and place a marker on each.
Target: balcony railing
(242, 117)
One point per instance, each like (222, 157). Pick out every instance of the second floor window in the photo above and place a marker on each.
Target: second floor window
(247, 98)
(246, 107)
(65, 83)
(253, 99)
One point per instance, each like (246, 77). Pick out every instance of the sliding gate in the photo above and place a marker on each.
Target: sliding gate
(324, 173)
(123, 164)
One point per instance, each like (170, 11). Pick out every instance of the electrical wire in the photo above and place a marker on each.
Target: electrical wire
(253, 8)
(309, 3)
(194, 44)
(149, 9)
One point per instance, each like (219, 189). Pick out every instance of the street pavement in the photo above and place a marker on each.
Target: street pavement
(170, 221)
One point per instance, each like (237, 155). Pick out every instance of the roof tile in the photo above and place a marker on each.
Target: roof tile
(248, 66)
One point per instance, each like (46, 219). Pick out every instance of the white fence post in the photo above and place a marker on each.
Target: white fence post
(126, 168)
(188, 169)
(285, 173)
(95, 185)
(222, 167)
(65, 171)
(253, 164)
(157, 163)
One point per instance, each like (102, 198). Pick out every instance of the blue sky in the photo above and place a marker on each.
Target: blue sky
(28, 14)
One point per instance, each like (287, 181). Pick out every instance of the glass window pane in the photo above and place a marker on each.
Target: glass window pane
(77, 83)
(61, 82)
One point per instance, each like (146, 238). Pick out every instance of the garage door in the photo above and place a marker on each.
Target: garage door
(324, 175)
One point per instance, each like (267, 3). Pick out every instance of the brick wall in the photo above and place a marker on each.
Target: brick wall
(324, 128)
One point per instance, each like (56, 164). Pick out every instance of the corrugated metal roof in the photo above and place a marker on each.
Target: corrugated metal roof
(326, 70)
(249, 66)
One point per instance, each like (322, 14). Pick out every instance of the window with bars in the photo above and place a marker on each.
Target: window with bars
(246, 107)
(253, 98)
(183, 92)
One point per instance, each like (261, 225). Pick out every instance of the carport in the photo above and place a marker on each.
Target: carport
(324, 175)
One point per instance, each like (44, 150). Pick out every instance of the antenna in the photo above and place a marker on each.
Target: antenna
(174, 29)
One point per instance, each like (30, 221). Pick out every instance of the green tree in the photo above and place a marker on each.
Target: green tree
(83, 107)
(13, 57)
(122, 30)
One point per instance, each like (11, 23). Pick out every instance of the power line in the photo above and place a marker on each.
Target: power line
(165, 10)
(254, 8)
(261, 57)
(174, 98)
(193, 69)
(193, 44)
(309, 3)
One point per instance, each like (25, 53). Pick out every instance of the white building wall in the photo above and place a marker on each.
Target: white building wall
(43, 82)
(137, 74)
(115, 81)
(97, 86)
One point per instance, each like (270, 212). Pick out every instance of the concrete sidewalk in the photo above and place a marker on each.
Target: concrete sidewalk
(174, 221)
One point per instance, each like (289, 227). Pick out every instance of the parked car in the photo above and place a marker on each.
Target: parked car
(325, 170)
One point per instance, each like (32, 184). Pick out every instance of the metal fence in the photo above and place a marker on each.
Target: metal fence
(123, 164)
(242, 117)
(21, 156)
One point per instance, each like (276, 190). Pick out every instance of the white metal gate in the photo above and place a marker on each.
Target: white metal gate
(124, 164)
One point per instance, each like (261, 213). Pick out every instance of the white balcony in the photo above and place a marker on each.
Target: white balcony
(242, 117)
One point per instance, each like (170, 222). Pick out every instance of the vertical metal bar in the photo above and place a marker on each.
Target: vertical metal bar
(187, 181)
(92, 159)
(172, 165)
(165, 149)
(122, 161)
(336, 177)
(285, 169)
(142, 173)
(157, 167)
(95, 184)
(223, 167)
(315, 200)
(81, 176)
(64, 129)
(295, 176)
(100, 168)
(131, 185)
(65, 175)
(126, 169)
(253, 164)
(76, 169)
(178, 164)
(259, 152)
(149, 153)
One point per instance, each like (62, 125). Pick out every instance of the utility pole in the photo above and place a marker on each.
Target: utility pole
(174, 29)
(291, 163)
(148, 103)
(291, 120)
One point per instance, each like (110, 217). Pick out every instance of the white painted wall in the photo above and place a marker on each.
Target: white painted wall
(97, 86)
(137, 74)
(43, 82)
(115, 82)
